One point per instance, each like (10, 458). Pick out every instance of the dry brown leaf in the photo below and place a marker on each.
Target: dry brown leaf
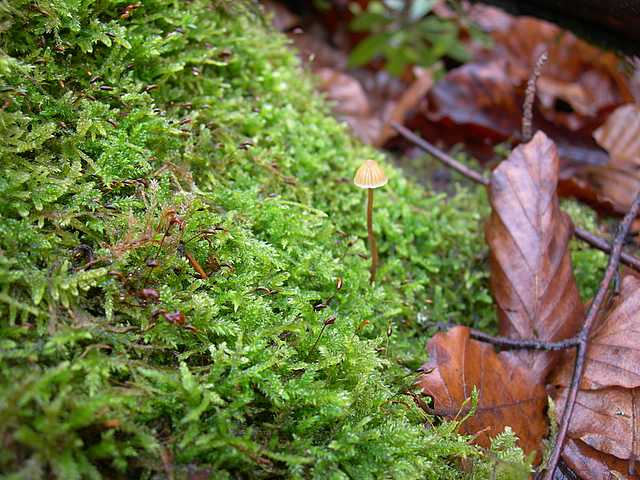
(580, 188)
(478, 95)
(589, 463)
(620, 136)
(607, 411)
(581, 75)
(528, 236)
(607, 420)
(613, 354)
(482, 101)
(615, 185)
(397, 109)
(508, 395)
(369, 112)
(350, 103)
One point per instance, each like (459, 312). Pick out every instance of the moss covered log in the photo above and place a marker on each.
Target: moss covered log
(183, 266)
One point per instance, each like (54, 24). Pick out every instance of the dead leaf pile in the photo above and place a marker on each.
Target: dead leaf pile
(610, 188)
(578, 84)
(584, 97)
(537, 298)
(480, 103)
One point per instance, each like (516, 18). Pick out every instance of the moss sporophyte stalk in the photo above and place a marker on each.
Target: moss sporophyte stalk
(163, 246)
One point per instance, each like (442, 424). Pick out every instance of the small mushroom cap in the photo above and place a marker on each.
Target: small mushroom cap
(370, 175)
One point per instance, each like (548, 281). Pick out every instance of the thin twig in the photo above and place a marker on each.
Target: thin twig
(581, 234)
(583, 336)
(603, 245)
(440, 155)
(513, 343)
(530, 96)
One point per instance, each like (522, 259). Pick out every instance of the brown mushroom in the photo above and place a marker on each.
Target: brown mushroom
(370, 175)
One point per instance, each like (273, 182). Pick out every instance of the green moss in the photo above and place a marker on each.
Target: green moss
(508, 462)
(588, 263)
(130, 142)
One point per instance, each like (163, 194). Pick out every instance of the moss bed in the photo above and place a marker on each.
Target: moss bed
(139, 145)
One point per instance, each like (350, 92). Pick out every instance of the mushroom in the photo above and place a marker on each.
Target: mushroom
(370, 175)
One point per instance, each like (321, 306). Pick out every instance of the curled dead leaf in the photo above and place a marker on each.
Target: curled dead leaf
(618, 180)
(508, 395)
(580, 188)
(478, 95)
(528, 236)
(620, 136)
(589, 463)
(607, 420)
(586, 79)
(482, 101)
(613, 356)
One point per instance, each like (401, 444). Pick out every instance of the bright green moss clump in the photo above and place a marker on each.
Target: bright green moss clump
(139, 145)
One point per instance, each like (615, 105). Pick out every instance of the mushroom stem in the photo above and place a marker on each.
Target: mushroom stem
(372, 239)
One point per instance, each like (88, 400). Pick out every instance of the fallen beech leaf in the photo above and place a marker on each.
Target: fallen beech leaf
(407, 101)
(482, 104)
(589, 463)
(580, 188)
(508, 395)
(607, 411)
(479, 95)
(350, 103)
(620, 136)
(613, 354)
(614, 185)
(528, 236)
(607, 420)
(586, 78)
(620, 178)
(482, 101)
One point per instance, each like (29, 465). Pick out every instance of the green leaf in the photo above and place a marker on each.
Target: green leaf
(368, 49)
(369, 21)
